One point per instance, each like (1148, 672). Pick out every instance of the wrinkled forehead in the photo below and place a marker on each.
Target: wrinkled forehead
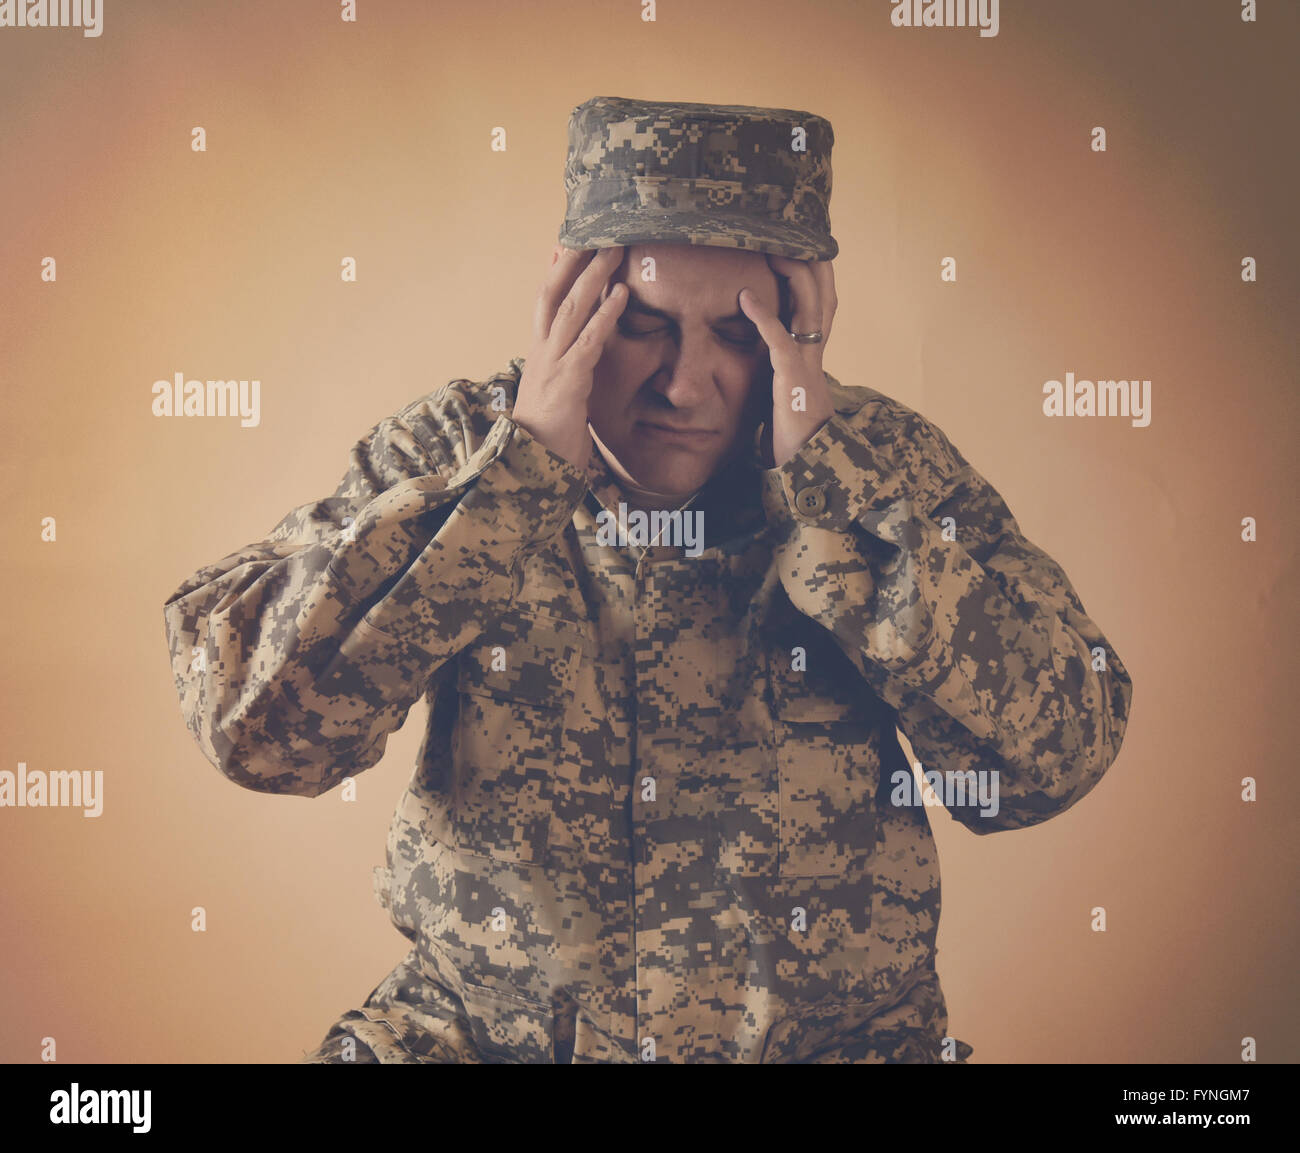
(694, 271)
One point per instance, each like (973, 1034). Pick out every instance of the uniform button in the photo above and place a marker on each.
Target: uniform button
(810, 501)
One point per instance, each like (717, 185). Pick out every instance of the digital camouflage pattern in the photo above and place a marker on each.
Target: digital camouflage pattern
(726, 175)
(558, 908)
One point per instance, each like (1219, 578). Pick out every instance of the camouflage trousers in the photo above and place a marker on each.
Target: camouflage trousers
(411, 1018)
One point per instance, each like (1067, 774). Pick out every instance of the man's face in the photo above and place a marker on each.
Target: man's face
(683, 357)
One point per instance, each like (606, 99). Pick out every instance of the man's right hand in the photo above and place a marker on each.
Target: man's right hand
(569, 334)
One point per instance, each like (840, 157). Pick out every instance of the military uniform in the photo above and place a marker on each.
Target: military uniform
(653, 817)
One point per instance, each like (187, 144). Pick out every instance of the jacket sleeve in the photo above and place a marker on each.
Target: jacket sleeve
(295, 658)
(973, 634)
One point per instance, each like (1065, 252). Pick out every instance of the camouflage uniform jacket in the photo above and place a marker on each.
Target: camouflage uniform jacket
(655, 815)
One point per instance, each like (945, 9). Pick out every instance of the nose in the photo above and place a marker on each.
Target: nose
(690, 363)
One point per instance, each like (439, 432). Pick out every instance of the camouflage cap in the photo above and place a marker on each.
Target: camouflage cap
(727, 175)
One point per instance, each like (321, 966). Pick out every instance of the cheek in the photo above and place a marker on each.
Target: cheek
(625, 365)
(610, 396)
(756, 384)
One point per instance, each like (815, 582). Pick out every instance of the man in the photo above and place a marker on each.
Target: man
(660, 812)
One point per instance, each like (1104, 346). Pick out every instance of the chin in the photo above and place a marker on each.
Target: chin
(666, 471)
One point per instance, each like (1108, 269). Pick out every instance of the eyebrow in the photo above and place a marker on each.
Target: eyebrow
(636, 304)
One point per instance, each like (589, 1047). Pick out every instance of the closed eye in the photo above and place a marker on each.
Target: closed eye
(746, 341)
(624, 331)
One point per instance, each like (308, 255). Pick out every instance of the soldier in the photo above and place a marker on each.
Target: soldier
(661, 812)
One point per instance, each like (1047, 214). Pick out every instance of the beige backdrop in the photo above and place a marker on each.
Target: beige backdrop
(328, 139)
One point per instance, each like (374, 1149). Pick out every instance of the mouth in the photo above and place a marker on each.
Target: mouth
(672, 432)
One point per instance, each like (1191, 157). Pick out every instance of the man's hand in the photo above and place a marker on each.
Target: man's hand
(569, 334)
(796, 416)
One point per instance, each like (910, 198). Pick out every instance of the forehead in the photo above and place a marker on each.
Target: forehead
(688, 277)
(694, 264)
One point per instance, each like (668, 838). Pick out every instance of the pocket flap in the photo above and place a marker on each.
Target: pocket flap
(801, 705)
(811, 697)
(537, 666)
(506, 1027)
(813, 681)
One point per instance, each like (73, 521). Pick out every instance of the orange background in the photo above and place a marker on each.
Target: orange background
(371, 140)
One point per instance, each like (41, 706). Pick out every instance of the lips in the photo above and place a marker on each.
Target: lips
(674, 430)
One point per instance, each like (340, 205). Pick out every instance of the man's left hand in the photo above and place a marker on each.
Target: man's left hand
(801, 399)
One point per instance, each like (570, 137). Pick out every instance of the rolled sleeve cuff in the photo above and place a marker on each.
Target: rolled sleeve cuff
(826, 484)
(525, 492)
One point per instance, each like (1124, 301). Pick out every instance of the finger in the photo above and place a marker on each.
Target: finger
(566, 264)
(577, 306)
(586, 350)
(781, 346)
(803, 284)
(619, 273)
(824, 271)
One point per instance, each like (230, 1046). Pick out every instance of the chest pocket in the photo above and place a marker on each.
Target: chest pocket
(514, 688)
(827, 725)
